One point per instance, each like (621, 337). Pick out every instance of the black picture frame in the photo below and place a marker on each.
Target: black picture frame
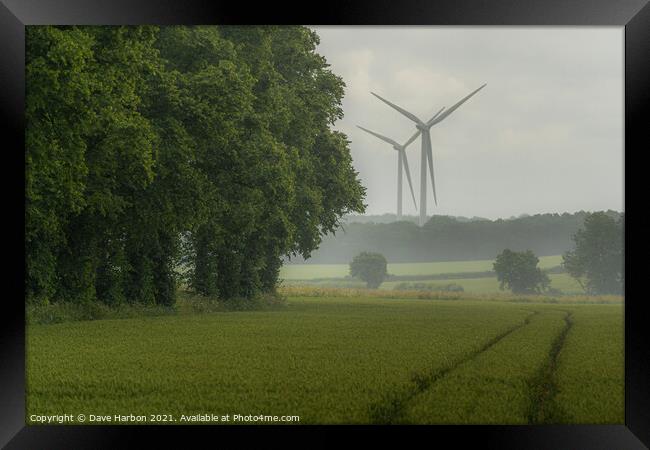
(634, 15)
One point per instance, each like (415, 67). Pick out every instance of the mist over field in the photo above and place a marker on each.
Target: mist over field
(446, 238)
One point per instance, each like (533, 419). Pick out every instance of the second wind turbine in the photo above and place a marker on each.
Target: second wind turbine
(402, 162)
(427, 154)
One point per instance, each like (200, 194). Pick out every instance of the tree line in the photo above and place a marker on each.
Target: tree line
(596, 261)
(152, 148)
(445, 238)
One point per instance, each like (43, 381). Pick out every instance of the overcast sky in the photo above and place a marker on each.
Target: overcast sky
(544, 135)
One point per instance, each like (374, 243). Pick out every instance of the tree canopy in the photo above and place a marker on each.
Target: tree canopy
(597, 258)
(369, 267)
(518, 272)
(152, 148)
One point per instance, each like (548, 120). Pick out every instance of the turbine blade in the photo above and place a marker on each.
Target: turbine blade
(446, 114)
(408, 176)
(411, 139)
(411, 116)
(383, 138)
(436, 115)
(433, 180)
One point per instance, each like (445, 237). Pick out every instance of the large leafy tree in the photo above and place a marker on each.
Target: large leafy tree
(148, 147)
(518, 272)
(294, 177)
(596, 262)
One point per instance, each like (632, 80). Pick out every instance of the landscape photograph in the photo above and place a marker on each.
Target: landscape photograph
(320, 225)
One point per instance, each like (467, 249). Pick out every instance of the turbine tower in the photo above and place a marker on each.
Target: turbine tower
(427, 153)
(402, 162)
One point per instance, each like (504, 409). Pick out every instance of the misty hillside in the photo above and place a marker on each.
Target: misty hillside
(445, 238)
(389, 218)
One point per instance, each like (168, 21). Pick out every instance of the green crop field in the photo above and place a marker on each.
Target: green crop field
(599, 389)
(314, 271)
(494, 386)
(341, 360)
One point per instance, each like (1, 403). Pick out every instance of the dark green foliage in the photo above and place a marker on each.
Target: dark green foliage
(369, 267)
(597, 259)
(148, 147)
(518, 272)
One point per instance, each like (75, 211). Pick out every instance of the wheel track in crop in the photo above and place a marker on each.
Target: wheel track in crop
(392, 408)
(543, 386)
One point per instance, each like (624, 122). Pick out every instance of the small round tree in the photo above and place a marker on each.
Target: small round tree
(518, 272)
(369, 267)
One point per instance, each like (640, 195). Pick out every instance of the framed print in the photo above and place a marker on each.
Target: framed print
(367, 217)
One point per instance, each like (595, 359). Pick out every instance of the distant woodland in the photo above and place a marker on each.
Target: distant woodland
(446, 238)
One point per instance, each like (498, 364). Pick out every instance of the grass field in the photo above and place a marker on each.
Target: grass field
(341, 360)
(336, 275)
(313, 271)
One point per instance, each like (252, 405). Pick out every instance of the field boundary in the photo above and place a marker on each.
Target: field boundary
(391, 409)
(422, 277)
(560, 300)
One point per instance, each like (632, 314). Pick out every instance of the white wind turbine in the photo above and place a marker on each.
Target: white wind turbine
(402, 164)
(427, 153)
